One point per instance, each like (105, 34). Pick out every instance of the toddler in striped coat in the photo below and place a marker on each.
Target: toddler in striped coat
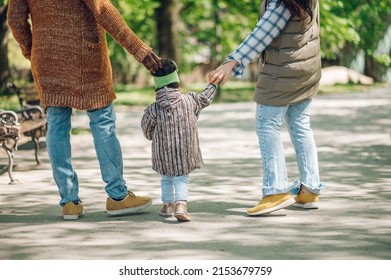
(171, 124)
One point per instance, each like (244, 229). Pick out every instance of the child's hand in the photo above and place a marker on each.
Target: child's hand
(222, 73)
(210, 81)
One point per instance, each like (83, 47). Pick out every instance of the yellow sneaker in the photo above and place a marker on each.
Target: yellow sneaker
(271, 203)
(72, 211)
(306, 200)
(130, 204)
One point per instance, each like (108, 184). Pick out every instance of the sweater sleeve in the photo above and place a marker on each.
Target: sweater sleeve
(148, 122)
(203, 98)
(111, 20)
(17, 19)
(269, 27)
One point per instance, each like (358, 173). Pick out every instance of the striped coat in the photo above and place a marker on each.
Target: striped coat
(171, 124)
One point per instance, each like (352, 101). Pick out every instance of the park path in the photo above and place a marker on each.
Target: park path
(352, 131)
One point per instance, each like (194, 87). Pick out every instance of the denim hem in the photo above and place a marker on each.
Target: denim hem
(296, 186)
(274, 191)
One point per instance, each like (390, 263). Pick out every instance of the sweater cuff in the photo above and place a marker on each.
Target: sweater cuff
(142, 52)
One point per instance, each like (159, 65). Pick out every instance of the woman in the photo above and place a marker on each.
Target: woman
(287, 38)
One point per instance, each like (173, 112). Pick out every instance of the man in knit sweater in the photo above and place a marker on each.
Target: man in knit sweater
(171, 124)
(67, 48)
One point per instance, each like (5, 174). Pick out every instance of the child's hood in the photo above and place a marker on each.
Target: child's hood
(168, 98)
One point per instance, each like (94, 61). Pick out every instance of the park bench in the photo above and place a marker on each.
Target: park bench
(20, 127)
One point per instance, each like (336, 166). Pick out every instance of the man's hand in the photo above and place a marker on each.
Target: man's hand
(152, 62)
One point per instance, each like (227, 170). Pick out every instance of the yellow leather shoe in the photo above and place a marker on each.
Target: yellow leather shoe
(72, 211)
(130, 204)
(271, 203)
(306, 200)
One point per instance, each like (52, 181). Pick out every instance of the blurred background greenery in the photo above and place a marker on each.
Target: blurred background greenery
(200, 34)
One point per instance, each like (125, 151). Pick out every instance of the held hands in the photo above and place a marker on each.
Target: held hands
(152, 62)
(222, 73)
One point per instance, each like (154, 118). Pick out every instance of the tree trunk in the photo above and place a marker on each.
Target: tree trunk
(373, 69)
(5, 73)
(167, 28)
(216, 47)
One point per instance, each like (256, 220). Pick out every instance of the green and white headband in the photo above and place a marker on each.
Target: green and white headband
(173, 77)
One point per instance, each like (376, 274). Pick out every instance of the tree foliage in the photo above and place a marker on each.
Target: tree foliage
(357, 22)
(210, 29)
(337, 29)
(218, 25)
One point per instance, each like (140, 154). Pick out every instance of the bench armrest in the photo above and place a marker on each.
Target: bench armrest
(31, 112)
(9, 125)
(8, 118)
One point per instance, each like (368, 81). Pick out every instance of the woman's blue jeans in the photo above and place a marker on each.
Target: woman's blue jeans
(174, 188)
(108, 150)
(268, 123)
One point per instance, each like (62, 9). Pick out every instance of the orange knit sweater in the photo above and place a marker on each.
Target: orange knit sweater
(66, 44)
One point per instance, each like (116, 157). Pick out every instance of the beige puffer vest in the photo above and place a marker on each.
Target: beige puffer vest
(290, 69)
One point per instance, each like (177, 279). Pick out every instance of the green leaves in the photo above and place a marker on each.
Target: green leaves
(358, 23)
(211, 29)
(361, 23)
(336, 30)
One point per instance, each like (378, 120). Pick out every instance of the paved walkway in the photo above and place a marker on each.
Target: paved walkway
(353, 136)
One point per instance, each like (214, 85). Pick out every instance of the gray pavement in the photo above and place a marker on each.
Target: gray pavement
(352, 132)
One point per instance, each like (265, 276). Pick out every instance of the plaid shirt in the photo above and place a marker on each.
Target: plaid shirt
(268, 28)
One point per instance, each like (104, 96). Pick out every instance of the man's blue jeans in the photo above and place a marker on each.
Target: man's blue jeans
(108, 150)
(268, 123)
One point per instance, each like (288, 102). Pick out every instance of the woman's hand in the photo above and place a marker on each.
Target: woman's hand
(152, 62)
(222, 73)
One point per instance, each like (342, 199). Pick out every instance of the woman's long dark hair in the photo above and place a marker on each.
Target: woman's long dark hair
(298, 7)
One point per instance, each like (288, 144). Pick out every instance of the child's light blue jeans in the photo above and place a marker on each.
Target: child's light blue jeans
(108, 150)
(268, 123)
(174, 188)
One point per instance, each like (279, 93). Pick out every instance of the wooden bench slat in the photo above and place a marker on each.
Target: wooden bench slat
(31, 125)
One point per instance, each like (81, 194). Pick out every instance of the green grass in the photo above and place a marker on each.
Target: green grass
(128, 96)
(343, 88)
(80, 131)
(233, 91)
(9, 103)
(230, 93)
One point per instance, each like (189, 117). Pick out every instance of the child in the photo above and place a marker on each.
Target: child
(171, 124)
